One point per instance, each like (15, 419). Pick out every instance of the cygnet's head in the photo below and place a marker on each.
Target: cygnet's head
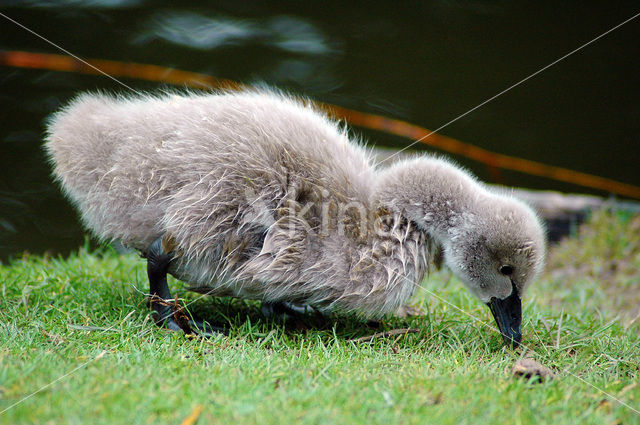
(493, 242)
(497, 251)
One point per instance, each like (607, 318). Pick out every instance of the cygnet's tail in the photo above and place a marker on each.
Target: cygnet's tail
(76, 144)
(85, 142)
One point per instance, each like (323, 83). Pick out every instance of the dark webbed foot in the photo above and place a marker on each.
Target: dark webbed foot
(285, 310)
(167, 313)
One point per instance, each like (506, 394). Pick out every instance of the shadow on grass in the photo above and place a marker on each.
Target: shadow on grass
(233, 313)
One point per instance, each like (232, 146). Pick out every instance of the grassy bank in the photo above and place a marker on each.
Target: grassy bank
(85, 316)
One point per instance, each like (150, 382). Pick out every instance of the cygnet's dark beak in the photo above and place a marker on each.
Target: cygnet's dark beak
(508, 315)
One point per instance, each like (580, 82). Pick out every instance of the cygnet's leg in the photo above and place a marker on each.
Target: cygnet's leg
(157, 265)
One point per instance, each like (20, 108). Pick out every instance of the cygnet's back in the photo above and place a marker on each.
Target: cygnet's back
(137, 166)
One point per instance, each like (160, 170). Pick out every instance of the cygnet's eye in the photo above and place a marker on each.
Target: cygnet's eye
(506, 270)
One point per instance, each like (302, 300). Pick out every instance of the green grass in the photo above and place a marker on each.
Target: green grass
(455, 370)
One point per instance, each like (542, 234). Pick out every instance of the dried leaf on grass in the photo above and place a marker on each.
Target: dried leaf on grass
(529, 368)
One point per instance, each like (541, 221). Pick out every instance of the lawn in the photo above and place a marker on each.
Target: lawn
(77, 340)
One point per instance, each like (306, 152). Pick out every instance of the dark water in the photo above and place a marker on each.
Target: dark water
(424, 62)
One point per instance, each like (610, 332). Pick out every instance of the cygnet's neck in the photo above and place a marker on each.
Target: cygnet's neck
(436, 195)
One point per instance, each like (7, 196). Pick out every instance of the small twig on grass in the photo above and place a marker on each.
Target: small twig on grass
(546, 326)
(90, 328)
(385, 334)
(633, 320)
(193, 416)
(627, 389)
(56, 339)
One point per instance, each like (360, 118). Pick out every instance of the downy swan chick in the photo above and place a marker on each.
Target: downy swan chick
(258, 195)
